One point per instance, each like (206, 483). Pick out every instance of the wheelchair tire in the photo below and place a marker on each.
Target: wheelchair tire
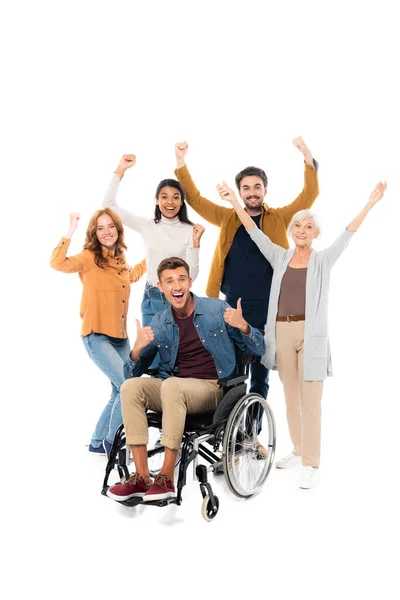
(244, 468)
(207, 511)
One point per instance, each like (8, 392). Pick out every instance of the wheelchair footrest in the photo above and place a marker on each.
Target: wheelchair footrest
(139, 500)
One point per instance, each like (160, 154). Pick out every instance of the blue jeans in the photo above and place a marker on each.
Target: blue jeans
(153, 302)
(109, 354)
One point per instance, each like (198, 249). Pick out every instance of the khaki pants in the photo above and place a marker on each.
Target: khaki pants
(174, 398)
(303, 398)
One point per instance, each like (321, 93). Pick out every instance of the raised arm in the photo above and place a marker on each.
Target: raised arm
(193, 250)
(59, 260)
(335, 250)
(310, 190)
(211, 212)
(271, 251)
(110, 199)
(374, 197)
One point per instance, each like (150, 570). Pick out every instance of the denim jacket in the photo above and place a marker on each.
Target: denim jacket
(218, 338)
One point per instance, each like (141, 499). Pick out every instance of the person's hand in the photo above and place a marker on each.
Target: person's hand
(198, 231)
(226, 193)
(144, 336)
(377, 193)
(127, 161)
(73, 223)
(303, 148)
(234, 317)
(181, 149)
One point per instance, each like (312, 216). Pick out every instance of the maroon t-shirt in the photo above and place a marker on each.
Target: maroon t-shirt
(193, 359)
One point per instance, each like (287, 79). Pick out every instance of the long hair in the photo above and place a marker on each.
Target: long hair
(182, 214)
(93, 244)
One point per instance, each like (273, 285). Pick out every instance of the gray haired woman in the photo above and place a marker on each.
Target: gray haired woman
(296, 333)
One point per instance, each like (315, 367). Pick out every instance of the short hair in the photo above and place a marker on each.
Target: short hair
(300, 216)
(248, 172)
(171, 263)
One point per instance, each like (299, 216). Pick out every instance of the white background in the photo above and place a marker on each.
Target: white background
(82, 84)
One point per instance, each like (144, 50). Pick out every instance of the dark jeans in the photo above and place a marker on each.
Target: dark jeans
(255, 313)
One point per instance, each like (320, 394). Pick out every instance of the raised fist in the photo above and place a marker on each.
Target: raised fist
(180, 150)
(127, 161)
(301, 145)
(377, 193)
(73, 221)
(198, 231)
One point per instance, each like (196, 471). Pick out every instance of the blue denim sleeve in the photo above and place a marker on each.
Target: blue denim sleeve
(136, 368)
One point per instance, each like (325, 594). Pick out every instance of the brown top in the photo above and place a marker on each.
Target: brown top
(105, 294)
(193, 359)
(292, 299)
(273, 222)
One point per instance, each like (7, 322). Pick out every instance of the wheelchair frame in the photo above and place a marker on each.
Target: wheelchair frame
(220, 427)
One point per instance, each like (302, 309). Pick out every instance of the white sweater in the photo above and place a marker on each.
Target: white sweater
(161, 240)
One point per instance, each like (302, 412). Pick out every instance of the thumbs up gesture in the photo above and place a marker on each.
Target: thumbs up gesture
(144, 336)
(234, 317)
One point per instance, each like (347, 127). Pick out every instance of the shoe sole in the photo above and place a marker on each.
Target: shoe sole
(122, 498)
(296, 464)
(147, 498)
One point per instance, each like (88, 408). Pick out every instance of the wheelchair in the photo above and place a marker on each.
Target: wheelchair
(229, 440)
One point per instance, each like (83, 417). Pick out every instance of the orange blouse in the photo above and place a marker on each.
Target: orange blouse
(105, 295)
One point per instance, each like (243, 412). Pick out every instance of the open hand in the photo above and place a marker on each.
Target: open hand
(234, 317)
(226, 193)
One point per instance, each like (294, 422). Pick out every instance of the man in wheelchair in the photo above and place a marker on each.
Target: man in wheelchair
(195, 338)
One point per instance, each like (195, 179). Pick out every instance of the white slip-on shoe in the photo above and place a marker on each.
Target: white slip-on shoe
(308, 477)
(288, 461)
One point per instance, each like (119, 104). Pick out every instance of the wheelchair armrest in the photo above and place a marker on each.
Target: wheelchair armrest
(151, 372)
(229, 382)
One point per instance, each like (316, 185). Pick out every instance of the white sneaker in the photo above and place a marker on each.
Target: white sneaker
(308, 477)
(288, 461)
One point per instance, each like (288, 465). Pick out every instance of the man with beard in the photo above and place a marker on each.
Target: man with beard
(239, 269)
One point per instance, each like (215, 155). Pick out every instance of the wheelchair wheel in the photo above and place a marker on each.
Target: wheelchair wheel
(207, 511)
(248, 445)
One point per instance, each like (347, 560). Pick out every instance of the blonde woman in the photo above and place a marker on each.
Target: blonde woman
(296, 333)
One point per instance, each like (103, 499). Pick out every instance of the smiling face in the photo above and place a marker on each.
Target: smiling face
(176, 284)
(169, 200)
(304, 232)
(106, 232)
(252, 192)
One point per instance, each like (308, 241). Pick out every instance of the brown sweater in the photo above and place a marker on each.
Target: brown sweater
(105, 294)
(274, 221)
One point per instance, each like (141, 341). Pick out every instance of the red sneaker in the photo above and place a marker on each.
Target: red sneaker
(161, 489)
(134, 487)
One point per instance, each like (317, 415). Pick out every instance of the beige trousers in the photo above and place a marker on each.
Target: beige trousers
(174, 397)
(303, 398)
